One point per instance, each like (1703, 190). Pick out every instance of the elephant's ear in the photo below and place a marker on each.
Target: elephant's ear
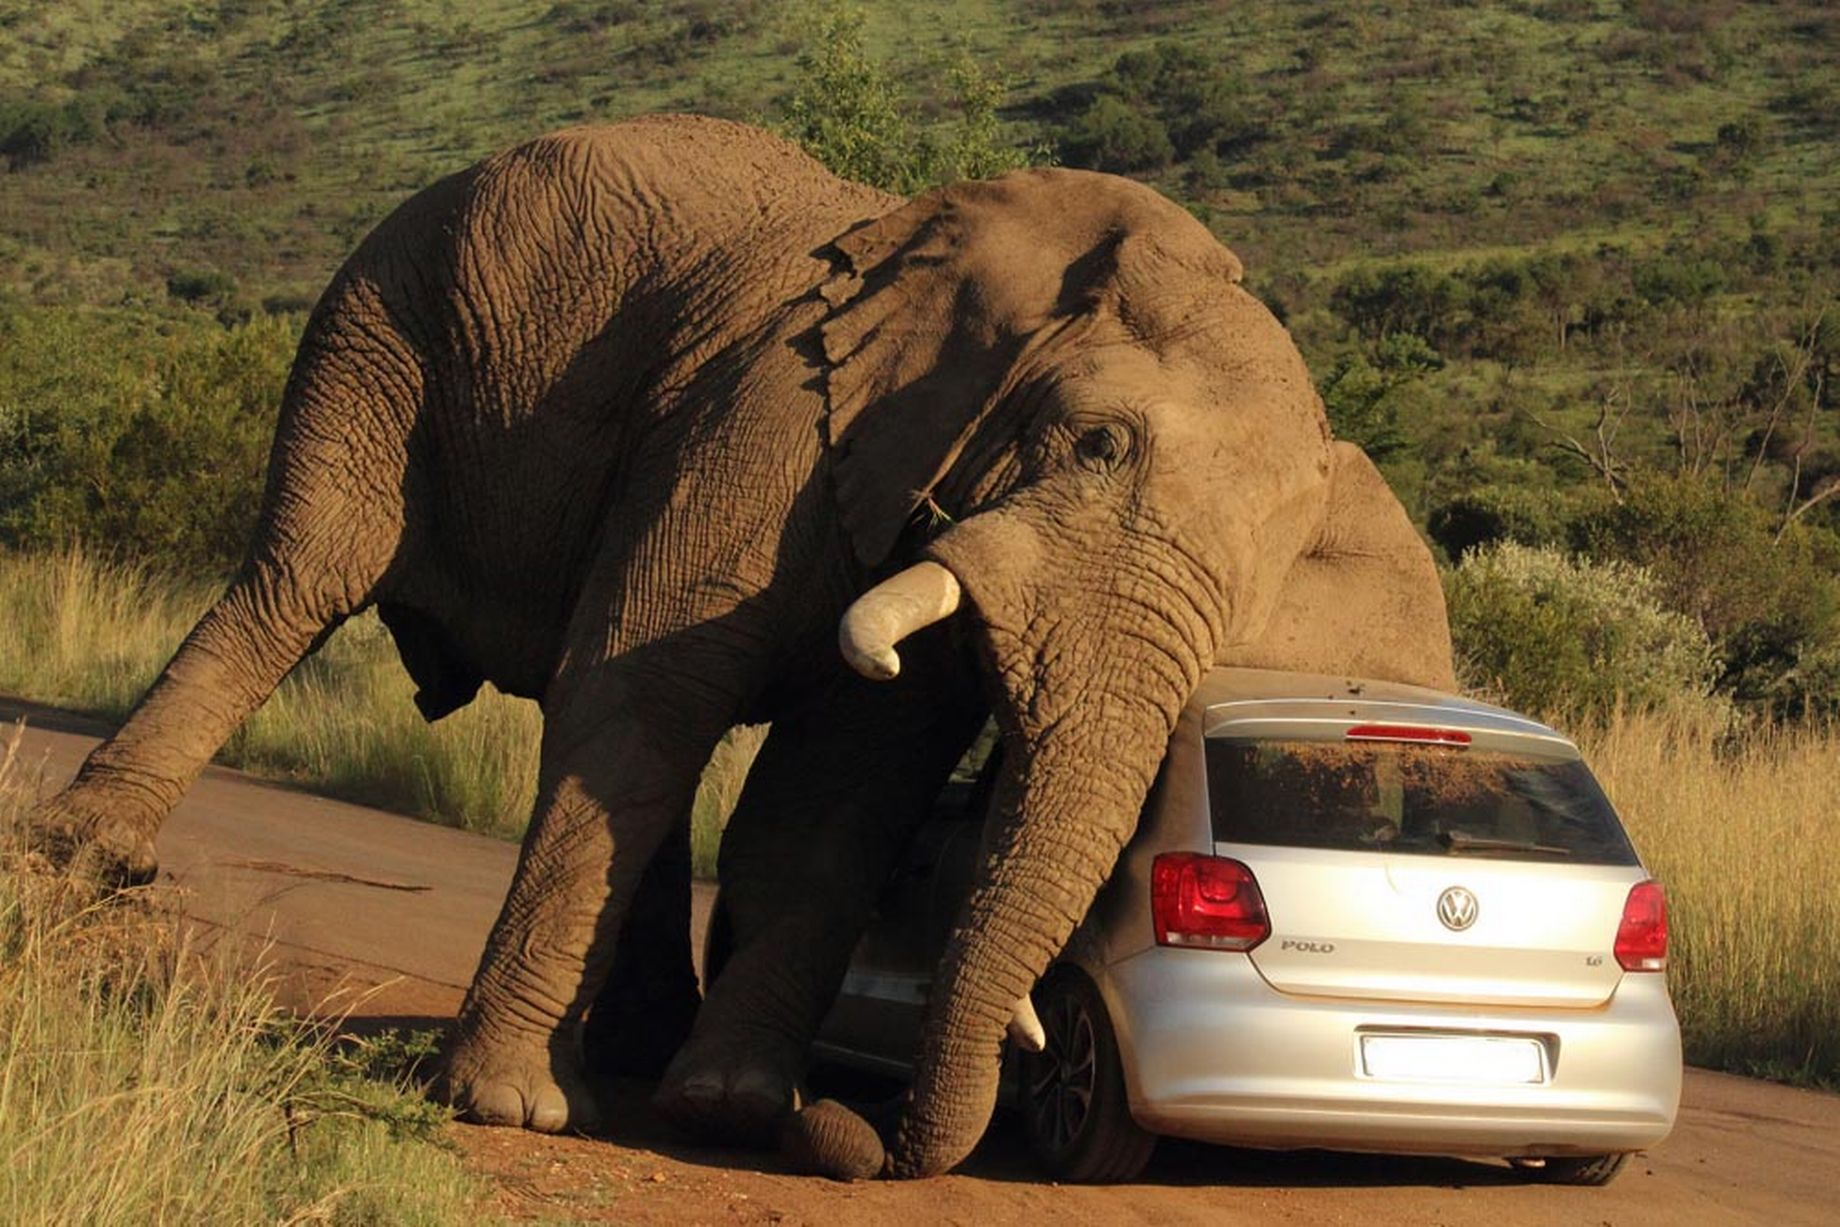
(932, 304)
(1364, 598)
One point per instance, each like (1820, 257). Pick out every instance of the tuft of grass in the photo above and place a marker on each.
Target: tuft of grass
(88, 633)
(142, 1080)
(1740, 829)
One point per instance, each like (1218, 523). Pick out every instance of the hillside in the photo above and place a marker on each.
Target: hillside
(1539, 254)
(259, 138)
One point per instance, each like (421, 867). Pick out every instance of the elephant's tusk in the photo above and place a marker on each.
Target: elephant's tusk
(1025, 1029)
(923, 594)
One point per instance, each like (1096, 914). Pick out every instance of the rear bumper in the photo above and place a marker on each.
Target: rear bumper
(1212, 1052)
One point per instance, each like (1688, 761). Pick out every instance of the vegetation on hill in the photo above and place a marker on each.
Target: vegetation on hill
(1567, 268)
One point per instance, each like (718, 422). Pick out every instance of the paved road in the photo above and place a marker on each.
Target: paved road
(389, 915)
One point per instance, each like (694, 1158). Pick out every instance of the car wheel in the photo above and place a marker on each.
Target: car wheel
(1584, 1170)
(1073, 1098)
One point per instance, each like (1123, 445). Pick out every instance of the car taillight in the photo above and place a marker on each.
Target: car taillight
(1206, 901)
(1417, 733)
(1642, 937)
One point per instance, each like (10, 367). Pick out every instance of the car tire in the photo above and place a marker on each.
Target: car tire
(1579, 1170)
(1075, 1110)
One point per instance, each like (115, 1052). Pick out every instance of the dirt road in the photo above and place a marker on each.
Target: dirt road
(391, 914)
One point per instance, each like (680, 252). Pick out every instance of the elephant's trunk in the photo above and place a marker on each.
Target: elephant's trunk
(1086, 705)
(1065, 812)
(921, 595)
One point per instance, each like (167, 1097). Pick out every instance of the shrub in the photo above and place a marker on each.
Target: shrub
(1490, 514)
(1198, 103)
(154, 444)
(1770, 602)
(1555, 634)
(205, 287)
(1678, 279)
(1112, 135)
(846, 112)
(1378, 300)
(32, 131)
(1361, 396)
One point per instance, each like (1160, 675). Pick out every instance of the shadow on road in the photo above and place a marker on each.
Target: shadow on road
(1003, 1156)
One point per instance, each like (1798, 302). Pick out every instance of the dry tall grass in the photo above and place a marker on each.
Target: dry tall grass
(83, 632)
(144, 1082)
(1744, 832)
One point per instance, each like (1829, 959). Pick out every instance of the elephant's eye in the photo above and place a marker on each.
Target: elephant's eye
(1099, 447)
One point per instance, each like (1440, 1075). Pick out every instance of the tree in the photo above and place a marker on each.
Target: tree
(846, 111)
(1112, 135)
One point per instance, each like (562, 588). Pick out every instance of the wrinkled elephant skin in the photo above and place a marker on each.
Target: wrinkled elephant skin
(625, 419)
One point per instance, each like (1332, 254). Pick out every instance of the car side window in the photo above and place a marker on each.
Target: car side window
(966, 796)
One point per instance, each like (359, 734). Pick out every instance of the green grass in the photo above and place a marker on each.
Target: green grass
(88, 634)
(143, 1080)
(275, 133)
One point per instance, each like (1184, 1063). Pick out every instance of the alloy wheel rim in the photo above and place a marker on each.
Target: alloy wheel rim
(1064, 1075)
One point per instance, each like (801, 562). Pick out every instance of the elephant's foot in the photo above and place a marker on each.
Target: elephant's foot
(101, 842)
(736, 1096)
(520, 1082)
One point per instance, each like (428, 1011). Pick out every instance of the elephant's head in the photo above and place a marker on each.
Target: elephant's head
(1116, 453)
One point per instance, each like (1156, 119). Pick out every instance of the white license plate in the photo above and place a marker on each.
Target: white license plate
(1453, 1058)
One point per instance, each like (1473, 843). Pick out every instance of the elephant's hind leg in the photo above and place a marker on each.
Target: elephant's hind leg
(330, 527)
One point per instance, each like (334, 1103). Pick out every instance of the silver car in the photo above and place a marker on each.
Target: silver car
(1355, 915)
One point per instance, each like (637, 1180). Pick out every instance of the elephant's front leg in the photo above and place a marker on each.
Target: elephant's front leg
(829, 807)
(608, 796)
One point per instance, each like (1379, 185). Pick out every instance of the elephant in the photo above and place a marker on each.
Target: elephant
(663, 425)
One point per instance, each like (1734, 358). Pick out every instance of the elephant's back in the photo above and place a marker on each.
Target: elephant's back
(609, 244)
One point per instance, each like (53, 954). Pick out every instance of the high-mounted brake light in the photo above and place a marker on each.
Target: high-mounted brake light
(1418, 733)
(1642, 937)
(1206, 901)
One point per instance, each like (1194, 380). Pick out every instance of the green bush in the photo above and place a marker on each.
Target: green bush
(846, 111)
(1198, 102)
(151, 441)
(1362, 396)
(1112, 135)
(1548, 633)
(1769, 599)
(1489, 514)
(32, 131)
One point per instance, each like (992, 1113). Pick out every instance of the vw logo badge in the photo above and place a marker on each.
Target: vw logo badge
(1456, 908)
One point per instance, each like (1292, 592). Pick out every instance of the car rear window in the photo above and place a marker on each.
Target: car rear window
(1416, 800)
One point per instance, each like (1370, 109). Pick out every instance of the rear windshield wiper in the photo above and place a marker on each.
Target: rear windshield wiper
(1463, 841)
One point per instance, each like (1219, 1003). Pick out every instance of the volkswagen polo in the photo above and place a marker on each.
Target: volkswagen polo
(1355, 915)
